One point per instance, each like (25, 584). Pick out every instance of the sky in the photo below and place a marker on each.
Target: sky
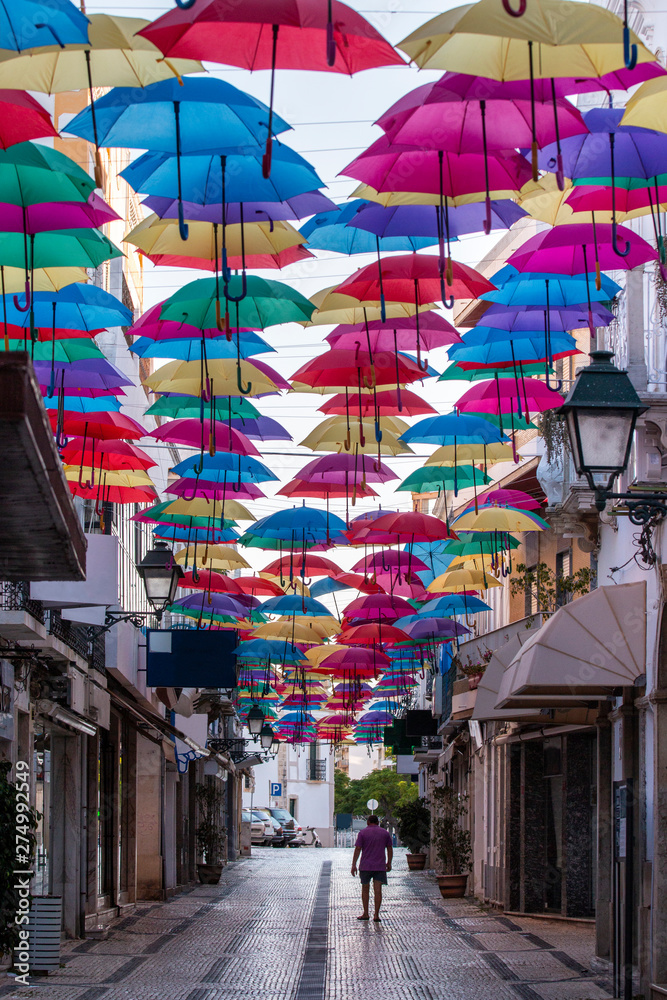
(333, 119)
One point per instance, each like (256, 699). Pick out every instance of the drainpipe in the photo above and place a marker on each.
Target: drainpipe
(83, 841)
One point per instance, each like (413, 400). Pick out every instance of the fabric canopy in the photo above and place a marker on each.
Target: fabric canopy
(587, 649)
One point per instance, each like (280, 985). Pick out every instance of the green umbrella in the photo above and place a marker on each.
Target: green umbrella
(518, 423)
(189, 406)
(59, 350)
(454, 373)
(432, 478)
(30, 174)
(158, 515)
(266, 303)
(474, 542)
(74, 247)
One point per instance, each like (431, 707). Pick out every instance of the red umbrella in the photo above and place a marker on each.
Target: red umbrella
(310, 564)
(114, 494)
(372, 634)
(392, 529)
(370, 661)
(258, 587)
(99, 424)
(386, 403)
(193, 432)
(23, 118)
(357, 368)
(358, 582)
(112, 454)
(215, 583)
(378, 606)
(325, 490)
(273, 34)
(414, 277)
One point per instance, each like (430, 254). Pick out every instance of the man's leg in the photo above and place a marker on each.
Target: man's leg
(377, 890)
(365, 896)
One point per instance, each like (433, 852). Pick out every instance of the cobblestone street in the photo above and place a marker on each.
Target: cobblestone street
(282, 926)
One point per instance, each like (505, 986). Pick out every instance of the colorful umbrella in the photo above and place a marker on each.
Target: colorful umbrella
(29, 24)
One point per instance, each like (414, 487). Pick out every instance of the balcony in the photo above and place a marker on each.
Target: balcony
(317, 770)
(24, 620)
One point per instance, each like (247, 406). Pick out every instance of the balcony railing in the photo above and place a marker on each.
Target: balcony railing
(72, 635)
(16, 597)
(317, 770)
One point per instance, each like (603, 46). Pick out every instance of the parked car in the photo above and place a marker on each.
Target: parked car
(267, 826)
(289, 823)
(257, 827)
(279, 839)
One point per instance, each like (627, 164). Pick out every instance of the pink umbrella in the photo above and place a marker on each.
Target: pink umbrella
(188, 489)
(389, 167)
(510, 498)
(150, 325)
(390, 561)
(509, 395)
(576, 249)
(346, 469)
(376, 607)
(428, 333)
(193, 433)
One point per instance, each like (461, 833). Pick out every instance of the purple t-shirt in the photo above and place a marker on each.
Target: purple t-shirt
(373, 841)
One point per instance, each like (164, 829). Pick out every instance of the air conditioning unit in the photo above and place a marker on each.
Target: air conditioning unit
(44, 927)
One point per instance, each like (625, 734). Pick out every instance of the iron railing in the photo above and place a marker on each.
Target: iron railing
(72, 635)
(16, 597)
(317, 770)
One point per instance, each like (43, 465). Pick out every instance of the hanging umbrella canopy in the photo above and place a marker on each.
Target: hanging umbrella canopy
(425, 221)
(201, 488)
(413, 276)
(216, 557)
(488, 454)
(355, 368)
(645, 109)
(293, 525)
(386, 402)
(105, 454)
(266, 303)
(463, 580)
(89, 373)
(389, 167)
(290, 605)
(271, 650)
(372, 634)
(499, 519)
(189, 432)
(530, 319)
(44, 279)
(327, 489)
(426, 332)
(259, 586)
(191, 349)
(574, 249)
(345, 581)
(302, 564)
(454, 604)
(175, 405)
(520, 395)
(157, 237)
(28, 24)
(390, 560)
(422, 628)
(439, 478)
(336, 231)
(630, 203)
(78, 247)
(345, 468)
(530, 289)
(188, 510)
(215, 583)
(292, 209)
(406, 526)
(43, 216)
(376, 607)
(589, 43)
(122, 478)
(224, 465)
(112, 55)
(513, 351)
(331, 306)
(98, 424)
(22, 118)
(337, 433)
(75, 307)
(222, 377)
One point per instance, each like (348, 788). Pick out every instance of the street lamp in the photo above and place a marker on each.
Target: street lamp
(601, 412)
(160, 575)
(266, 737)
(255, 720)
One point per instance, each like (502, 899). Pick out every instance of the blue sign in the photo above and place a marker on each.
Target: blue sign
(276, 789)
(191, 658)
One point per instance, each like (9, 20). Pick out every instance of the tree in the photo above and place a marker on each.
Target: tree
(546, 589)
(390, 789)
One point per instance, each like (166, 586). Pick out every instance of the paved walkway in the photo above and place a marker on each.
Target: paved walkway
(282, 926)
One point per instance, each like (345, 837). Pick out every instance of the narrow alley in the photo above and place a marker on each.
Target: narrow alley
(282, 926)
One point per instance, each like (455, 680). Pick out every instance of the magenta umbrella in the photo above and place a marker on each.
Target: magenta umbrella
(508, 395)
(188, 489)
(403, 334)
(193, 433)
(377, 606)
(150, 325)
(346, 469)
(389, 167)
(509, 498)
(437, 116)
(53, 215)
(579, 248)
(390, 560)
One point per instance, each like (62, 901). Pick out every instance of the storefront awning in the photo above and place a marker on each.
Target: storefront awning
(586, 650)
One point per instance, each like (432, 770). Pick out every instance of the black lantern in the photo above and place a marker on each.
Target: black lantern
(160, 575)
(255, 720)
(601, 411)
(266, 737)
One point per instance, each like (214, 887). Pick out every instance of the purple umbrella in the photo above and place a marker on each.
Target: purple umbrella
(261, 428)
(341, 469)
(571, 249)
(293, 209)
(438, 629)
(191, 488)
(630, 152)
(532, 318)
(88, 373)
(220, 604)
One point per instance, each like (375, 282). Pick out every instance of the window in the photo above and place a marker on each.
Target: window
(531, 605)
(563, 569)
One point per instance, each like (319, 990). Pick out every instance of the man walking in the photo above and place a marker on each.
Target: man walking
(372, 844)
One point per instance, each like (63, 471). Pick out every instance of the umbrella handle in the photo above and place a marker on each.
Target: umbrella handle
(558, 385)
(239, 383)
(515, 13)
(185, 4)
(183, 228)
(221, 324)
(17, 304)
(619, 253)
(244, 289)
(629, 51)
(448, 303)
(378, 432)
(560, 174)
(487, 217)
(331, 41)
(423, 365)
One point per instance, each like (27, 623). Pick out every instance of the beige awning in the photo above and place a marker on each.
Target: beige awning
(586, 650)
(487, 691)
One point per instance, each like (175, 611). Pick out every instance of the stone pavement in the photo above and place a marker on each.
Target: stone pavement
(282, 926)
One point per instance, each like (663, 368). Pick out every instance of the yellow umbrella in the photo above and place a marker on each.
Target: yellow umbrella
(214, 557)
(45, 279)
(647, 108)
(158, 236)
(319, 653)
(107, 477)
(286, 629)
(334, 307)
(463, 579)
(491, 453)
(497, 519)
(482, 560)
(542, 200)
(210, 508)
(295, 585)
(223, 378)
(583, 40)
(334, 433)
(117, 57)
(392, 198)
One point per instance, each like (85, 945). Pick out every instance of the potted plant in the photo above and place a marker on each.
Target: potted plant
(414, 829)
(474, 671)
(452, 844)
(210, 834)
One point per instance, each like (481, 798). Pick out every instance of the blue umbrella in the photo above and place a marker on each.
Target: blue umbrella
(454, 604)
(85, 404)
(74, 307)
(30, 24)
(275, 650)
(530, 289)
(190, 349)
(216, 468)
(452, 428)
(511, 351)
(178, 117)
(292, 209)
(294, 604)
(294, 525)
(336, 231)
(435, 555)
(176, 533)
(327, 585)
